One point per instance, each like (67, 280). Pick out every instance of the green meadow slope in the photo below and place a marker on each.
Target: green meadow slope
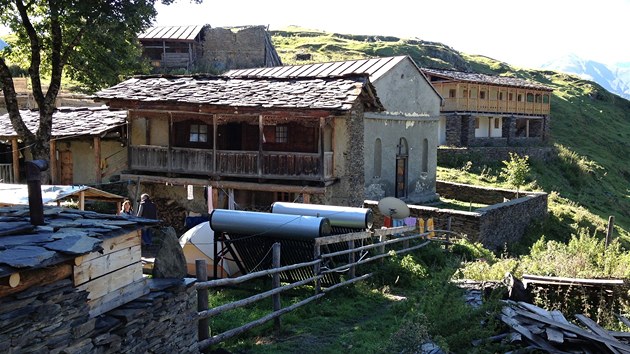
(590, 128)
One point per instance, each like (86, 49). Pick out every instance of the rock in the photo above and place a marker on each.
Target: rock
(169, 259)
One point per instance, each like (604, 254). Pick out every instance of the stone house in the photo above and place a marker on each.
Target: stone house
(484, 110)
(400, 143)
(257, 140)
(207, 49)
(88, 145)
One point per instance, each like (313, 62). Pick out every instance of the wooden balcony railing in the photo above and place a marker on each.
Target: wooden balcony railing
(268, 164)
(495, 106)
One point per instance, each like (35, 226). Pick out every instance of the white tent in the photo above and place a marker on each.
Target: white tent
(198, 243)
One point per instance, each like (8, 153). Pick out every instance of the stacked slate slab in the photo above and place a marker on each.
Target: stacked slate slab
(72, 286)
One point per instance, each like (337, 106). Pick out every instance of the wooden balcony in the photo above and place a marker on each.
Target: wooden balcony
(495, 106)
(253, 164)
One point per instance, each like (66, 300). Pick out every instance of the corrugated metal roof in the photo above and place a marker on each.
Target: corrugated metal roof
(486, 79)
(174, 33)
(374, 67)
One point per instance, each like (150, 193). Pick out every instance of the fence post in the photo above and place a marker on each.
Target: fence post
(609, 230)
(201, 270)
(352, 271)
(317, 251)
(275, 283)
(448, 234)
(381, 248)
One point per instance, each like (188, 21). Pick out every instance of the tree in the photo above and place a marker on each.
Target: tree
(516, 171)
(95, 41)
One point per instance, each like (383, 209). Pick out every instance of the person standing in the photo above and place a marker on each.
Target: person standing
(148, 210)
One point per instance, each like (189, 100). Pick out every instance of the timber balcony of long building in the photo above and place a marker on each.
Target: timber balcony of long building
(249, 147)
(463, 97)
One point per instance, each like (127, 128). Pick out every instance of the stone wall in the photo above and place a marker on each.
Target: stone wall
(54, 319)
(494, 226)
(459, 156)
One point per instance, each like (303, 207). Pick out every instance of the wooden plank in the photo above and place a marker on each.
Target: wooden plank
(119, 297)
(100, 287)
(113, 244)
(593, 326)
(107, 263)
(537, 279)
(342, 238)
(573, 328)
(535, 309)
(38, 277)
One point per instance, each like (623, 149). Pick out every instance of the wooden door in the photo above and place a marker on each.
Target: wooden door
(65, 167)
(401, 177)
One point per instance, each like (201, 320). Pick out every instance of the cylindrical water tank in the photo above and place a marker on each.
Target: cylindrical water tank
(267, 224)
(358, 218)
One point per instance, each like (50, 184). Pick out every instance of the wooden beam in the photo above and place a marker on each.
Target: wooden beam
(97, 159)
(107, 263)
(81, 200)
(113, 281)
(249, 186)
(16, 160)
(119, 297)
(12, 280)
(53, 162)
(38, 277)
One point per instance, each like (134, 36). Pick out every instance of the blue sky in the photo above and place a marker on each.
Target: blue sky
(523, 33)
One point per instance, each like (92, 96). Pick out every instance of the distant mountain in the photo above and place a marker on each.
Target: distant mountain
(615, 79)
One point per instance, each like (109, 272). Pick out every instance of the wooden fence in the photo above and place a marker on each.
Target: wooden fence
(379, 251)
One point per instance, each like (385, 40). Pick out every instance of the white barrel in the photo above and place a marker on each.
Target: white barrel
(267, 224)
(358, 218)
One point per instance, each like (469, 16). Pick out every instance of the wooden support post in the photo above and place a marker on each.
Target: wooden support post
(275, 283)
(381, 248)
(306, 198)
(351, 259)
(15, 150)
(261, 138)
(97, 159)
(317, 251)
(201, 271)
(53, 162)
(82, 201)
(609, 230)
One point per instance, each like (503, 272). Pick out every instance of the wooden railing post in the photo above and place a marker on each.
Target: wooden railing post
(609, 230)
(381, 248)
(275, 283)
(317, 251)
(351, 259)
(201, 270)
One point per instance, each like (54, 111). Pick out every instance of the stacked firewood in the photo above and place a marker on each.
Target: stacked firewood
(551, 332)
(171, 214)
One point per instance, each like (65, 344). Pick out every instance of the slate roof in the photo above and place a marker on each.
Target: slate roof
(337, 93)
(67, 234)
(17, 194)
(485, 79)
(375, 68)
(171, 33)
(69, 121)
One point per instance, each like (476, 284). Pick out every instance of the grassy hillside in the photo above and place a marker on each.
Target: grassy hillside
(590, 127)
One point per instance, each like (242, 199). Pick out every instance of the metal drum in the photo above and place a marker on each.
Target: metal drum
(295, 227)
(358, 218)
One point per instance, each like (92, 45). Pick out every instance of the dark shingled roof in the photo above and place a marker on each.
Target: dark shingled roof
(66, 234)
(338, 93)
(485, 79)
(69, 121)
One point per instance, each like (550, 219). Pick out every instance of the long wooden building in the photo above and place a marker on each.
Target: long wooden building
(484, 110)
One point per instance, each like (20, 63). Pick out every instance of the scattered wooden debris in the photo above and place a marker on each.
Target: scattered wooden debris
(552, 332)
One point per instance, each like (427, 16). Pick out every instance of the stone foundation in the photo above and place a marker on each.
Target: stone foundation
(54, 319)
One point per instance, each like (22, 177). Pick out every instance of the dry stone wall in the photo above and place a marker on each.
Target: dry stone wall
(54, 319)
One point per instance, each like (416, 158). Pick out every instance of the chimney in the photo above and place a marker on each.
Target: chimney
(33, 180)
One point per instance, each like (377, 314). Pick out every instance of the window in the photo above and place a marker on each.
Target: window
(282, 134)
(198, 133)
(476, 123)
(500, 95)
(377, 158)
(473, 93)
(497, 123)
(538, 98)
(465, 93)
(545, 98)
(482, 95)
(530, 97)
(452, 93)
(519, 97)
(510, 96)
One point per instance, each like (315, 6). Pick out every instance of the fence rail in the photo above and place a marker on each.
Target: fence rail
(205, 340)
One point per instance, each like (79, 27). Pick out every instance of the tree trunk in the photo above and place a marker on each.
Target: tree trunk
(40, 149)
